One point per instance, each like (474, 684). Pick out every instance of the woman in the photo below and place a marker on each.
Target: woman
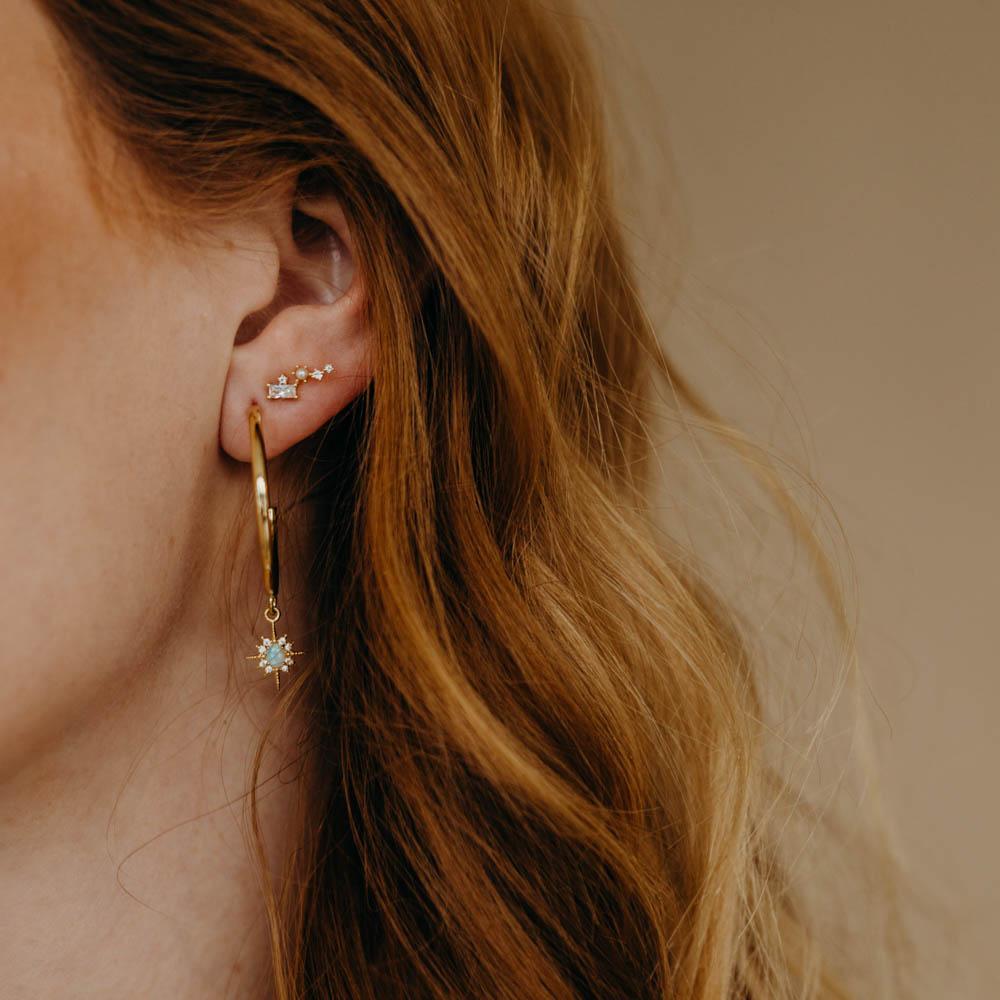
(503, 741)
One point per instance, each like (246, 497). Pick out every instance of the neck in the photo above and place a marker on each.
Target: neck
(124, 854)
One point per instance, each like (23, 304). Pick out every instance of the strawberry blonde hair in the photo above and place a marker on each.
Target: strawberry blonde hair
(534, 745)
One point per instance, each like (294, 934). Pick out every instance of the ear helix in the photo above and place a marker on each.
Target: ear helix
(287, 384)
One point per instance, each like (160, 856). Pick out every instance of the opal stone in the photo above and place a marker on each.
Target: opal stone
(275, 655)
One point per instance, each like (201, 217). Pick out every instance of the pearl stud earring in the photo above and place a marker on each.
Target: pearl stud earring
(287, 386)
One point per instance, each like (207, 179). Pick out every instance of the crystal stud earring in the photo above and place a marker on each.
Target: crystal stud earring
(287, 386)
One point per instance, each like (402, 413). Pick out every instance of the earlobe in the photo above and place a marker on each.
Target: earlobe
(311, 358)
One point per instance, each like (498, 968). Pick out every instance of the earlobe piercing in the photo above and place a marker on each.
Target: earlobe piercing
(287, 386)
(274, 655)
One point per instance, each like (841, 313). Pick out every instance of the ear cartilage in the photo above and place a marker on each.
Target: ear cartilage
(287, 386)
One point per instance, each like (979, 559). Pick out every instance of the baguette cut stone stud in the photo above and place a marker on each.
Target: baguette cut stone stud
(283, 390)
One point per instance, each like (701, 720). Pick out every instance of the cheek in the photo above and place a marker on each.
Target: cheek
(109, 406)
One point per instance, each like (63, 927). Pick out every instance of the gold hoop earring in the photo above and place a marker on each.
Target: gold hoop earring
(274, 654)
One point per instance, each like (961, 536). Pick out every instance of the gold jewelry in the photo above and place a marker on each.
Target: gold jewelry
(274, 655)
(287, 386)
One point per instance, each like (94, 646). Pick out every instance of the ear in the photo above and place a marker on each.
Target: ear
(315, 320)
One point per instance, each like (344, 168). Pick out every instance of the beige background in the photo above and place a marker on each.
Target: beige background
(837, 165)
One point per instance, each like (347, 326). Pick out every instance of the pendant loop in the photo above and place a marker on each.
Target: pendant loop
(267, 516)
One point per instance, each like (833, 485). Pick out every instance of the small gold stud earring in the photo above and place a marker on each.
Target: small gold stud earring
(287, 386)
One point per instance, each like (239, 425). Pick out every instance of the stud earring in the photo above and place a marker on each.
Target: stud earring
(287, 386)
(274, 654)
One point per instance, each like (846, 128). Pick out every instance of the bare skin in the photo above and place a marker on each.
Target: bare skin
(125, 735)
